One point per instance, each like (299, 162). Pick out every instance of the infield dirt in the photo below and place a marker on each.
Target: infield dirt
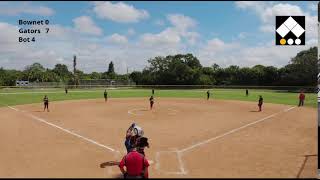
(188, 138)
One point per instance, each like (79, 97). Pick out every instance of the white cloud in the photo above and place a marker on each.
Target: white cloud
(24, 8)
(159, 22)
(267, 11)
(250, 4)
(225, 54)
(173, 35)
(242, 35)
(117, 39)
(313, 6)
(181, 22)
(131, 31)
(180, 36)
(167, 37)
(119, 12)
(85, 24)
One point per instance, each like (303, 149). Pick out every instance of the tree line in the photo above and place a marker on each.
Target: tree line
(185, 69)
(181, 69)
(60, 73)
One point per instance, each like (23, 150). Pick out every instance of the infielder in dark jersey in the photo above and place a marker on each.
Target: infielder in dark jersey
(66, 90)
(208, 95)
(247, 92)
(260, 103)
(151, 102)
(105, 94)
(46, 103)
(152, 91)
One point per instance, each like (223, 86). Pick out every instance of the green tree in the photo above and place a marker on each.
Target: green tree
(95, 75)
(111, 73)
(35, 72)
(136, 77)
(62, 71)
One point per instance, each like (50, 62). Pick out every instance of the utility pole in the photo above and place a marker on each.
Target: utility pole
(74, 70)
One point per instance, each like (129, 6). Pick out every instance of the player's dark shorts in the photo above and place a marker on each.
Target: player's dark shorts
(46, 105)
(151, 103)
(128, 145)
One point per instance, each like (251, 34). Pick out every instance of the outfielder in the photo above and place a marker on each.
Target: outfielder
(46, 103)
(301, 99)
(260, 103)
(105, 94)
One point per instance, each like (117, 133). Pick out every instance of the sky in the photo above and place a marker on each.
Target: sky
(129, 33)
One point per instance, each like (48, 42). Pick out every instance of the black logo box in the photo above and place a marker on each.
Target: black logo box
(300, 20)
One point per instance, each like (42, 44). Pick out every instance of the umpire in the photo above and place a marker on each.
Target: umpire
(136, 165)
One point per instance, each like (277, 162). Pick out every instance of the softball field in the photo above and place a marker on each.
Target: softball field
(188, 138)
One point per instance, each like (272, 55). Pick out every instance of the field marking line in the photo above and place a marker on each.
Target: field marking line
(65, 130)
(157, 159)
(232, 131)
(181, 165)
(131, 111)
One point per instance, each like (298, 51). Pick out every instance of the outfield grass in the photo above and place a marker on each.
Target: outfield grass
(23, 96)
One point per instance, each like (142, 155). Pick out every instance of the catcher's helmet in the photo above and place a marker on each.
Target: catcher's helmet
(138, 131)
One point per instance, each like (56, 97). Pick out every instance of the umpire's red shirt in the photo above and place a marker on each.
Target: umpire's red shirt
(134, 163)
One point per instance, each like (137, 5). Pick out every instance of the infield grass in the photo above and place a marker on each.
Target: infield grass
(27, 96)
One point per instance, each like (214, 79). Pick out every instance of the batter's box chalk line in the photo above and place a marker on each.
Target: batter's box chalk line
(181, 167)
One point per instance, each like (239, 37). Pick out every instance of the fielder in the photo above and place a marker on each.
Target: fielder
(46, 103)
(151, 102)
(105, 94)
(260, 103)
(208, 95)
(247, 92)
(301, 99)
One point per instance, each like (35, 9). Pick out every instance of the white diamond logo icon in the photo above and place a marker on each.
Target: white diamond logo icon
(283, 30)
(290, 23)
(297, 30)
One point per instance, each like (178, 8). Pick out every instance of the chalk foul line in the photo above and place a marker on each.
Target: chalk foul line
(232, 131)
(157, 158)
(65, 130)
